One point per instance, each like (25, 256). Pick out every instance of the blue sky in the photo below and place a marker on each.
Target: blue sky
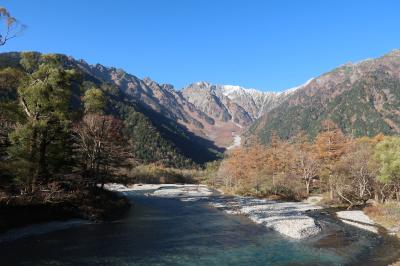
(268, 45)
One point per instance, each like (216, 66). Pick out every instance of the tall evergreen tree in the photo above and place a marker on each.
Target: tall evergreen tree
(39, 145)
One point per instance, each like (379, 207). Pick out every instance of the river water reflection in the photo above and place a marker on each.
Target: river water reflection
(160, 231)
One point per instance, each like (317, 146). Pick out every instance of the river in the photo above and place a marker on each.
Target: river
(163, 231)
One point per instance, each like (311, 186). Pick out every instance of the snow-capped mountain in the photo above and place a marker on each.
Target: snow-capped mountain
(231, 103)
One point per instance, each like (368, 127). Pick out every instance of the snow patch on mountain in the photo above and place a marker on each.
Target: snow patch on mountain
(291, 90)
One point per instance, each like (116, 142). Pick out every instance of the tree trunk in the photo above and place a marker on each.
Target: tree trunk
(33, 151)
(331, 190)
(376, 196)
(308, 187)
(383, 197)
(351, 204)
(42, 163)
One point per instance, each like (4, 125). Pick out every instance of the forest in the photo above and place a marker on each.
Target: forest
(348, 171)
(53, 153)
(64, 134)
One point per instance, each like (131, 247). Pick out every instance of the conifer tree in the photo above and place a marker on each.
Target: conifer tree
(39, 144)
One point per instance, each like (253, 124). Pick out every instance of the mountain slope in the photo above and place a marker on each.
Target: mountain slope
(229, 103)
(156, 116)
(233, 108)
(363, 99)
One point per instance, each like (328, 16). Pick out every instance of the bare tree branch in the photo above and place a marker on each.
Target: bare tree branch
(10, 27)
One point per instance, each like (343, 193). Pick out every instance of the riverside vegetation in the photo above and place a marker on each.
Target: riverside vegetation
(64, 134)
(53, 156)
(346, 171)
(349, 170)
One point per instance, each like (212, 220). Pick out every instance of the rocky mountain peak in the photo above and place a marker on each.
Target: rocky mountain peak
(394, 53)
(230, 102)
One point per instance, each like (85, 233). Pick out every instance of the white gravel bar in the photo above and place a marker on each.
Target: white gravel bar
(288, 218)
(358, 219)
(183, 191)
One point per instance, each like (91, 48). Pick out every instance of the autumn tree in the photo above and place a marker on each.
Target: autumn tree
(353, 174)
(305, 160)
(330, 145)
(99, 138)
(255, 168)
(273, 159)
(231, 170)
(362, 168)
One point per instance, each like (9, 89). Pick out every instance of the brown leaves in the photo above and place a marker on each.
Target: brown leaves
(331, 143)
(99, 137)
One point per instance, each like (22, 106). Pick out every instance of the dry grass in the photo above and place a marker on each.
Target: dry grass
(387, 215)
(155, 174)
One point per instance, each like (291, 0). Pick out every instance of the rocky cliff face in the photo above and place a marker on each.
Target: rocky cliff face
(159, 97)
(231, 103)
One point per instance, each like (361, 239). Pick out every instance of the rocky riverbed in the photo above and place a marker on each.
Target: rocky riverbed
(291, 219)
(194, 225)
(288, 218)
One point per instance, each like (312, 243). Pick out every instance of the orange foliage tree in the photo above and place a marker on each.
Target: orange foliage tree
(330, 146)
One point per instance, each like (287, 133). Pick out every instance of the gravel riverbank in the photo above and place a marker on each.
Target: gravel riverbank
(288, 218)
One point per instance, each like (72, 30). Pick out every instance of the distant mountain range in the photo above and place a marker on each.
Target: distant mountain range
(233, 108)
(202, 119)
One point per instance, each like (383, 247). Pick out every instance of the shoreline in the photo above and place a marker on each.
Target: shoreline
(40, 228)
(331, 226)
(386, 223)
(288, 218)
(291, 219)
(86, 207)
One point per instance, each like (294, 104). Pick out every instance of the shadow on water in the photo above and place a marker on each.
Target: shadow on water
(170, 232)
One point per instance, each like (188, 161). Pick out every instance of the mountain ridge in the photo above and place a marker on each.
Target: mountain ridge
(362, 98)
(357, 96)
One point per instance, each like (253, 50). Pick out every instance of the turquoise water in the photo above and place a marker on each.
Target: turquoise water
(170, 232)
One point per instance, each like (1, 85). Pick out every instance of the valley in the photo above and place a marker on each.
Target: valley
(172, 224)
(160, 133)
